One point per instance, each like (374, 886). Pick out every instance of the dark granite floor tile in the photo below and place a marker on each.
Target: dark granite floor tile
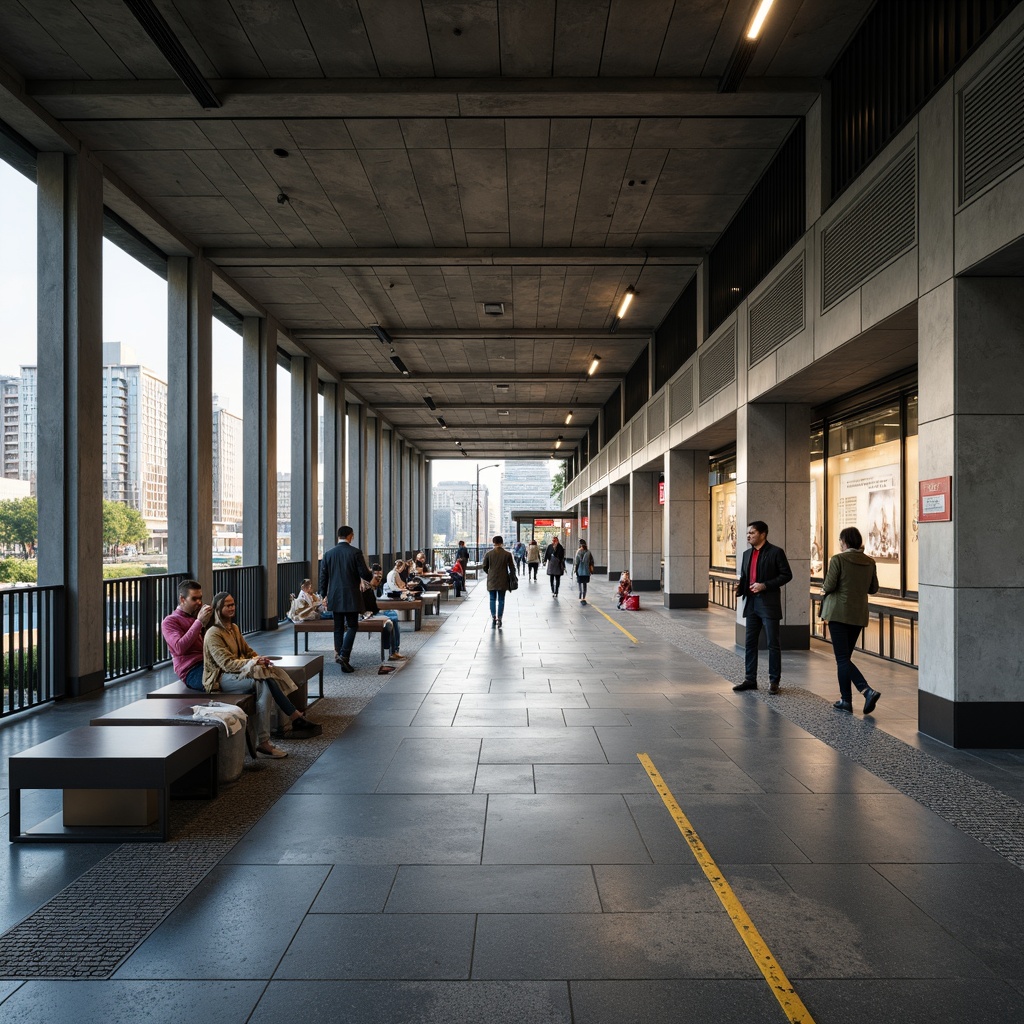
(494, 889)
(673, 1002)
(591, 778)
(504, 778)
(609, 946)
(355, 889)
(409, 947)
(414, 1002)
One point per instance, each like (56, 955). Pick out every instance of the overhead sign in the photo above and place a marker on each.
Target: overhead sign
(543, 522)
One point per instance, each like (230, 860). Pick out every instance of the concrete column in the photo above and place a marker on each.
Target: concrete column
(971, 594)
(617, 524)
(69, 467)
(370, 537)
(597, 534)
(259, 457)
(773, 483)
(190, 419)
(355, 467)
(387, 482)
(304, 462)
(686, 539)
(644, 531)
(335, 452)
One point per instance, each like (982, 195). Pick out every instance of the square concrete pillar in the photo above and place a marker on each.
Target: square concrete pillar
(190, 419)
(69, 470)
(644, 531)
(335, 452)
(617, 524)
(597, 532)
(773, 484)
(304, 462)
(686, 529)
(259, 458)
(355, 466)
(971, 590)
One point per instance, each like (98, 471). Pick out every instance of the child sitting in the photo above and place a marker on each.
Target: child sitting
(625, 588)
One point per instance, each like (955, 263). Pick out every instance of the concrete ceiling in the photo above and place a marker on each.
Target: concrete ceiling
(544, 155)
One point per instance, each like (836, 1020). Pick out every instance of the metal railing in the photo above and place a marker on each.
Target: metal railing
(245, 584)
(722, 590)
(133, 608)
(33, 649)
(289, 578)
(891, 632)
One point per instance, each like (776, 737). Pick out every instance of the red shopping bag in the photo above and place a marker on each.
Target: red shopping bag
(631, 602)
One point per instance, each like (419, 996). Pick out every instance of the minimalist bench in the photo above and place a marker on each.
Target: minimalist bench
(301, 668)
(327, 626)
(133, 758)
(415, 608)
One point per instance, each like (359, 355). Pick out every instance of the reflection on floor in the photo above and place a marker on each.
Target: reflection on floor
(482, 844)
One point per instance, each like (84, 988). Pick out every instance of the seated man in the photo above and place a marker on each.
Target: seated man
(368, 593)
(182, 631)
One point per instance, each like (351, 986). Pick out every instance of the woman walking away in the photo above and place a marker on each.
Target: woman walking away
(501, 569)
(532, 559)
(850, 578)
(583, 566)
(554, 559)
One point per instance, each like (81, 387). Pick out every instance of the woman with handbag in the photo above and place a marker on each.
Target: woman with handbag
(554, 559)
(500, 568)
(850, 578)
(232, 666)
(583, 566)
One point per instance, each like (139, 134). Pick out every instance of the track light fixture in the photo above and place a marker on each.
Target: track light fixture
(382, 336)
(594, 363)
(400, 366)
(623, 306)
(440, 419)
(430, 402)
(558, 443)
(568, 419)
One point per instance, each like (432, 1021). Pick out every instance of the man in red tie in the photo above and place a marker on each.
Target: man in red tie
(765, 572)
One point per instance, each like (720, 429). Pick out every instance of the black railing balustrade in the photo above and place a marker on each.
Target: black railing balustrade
(33, 646)
(245, 584)
(289, 578)
(891, 632)
(133, 608)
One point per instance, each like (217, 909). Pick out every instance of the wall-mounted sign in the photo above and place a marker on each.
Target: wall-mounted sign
(584, 522)
(661, 492)
(936, 500)
(543, 522)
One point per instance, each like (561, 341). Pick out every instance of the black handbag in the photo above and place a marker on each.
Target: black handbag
(513, 578)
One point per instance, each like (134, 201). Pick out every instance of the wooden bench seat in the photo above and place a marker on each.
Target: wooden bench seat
(327, 626)
(300, 667)
(415, 608)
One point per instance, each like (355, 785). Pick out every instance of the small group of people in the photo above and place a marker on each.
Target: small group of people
(851, 577)
(210, 655)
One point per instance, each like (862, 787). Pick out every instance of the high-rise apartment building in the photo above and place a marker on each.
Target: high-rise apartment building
(10, 454)
(456, 499)
(524, 486)
(227, 466)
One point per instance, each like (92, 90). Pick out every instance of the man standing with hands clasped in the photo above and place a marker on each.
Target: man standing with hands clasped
(340, 572)
(765, 572)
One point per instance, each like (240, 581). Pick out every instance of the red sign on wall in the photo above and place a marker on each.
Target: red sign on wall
(661, 492)
(543, 522)
(936, 504)
(584, 522)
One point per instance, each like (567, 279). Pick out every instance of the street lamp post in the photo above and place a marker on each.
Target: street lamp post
(493, 465)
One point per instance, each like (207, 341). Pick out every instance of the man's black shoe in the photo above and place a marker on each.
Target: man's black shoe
(346, 665)
(745, 685)
(774, 688)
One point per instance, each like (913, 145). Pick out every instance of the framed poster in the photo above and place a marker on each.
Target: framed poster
(935, 497)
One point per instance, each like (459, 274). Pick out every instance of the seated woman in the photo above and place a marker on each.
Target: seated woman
(457, 575)
(232, 666)
(307, 604)
(395, 587)
(625, 587)
(368, 595)
(420, 562)
(413, 583)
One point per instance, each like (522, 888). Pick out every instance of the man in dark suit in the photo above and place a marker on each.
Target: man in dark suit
(340, 572)
(765, 572)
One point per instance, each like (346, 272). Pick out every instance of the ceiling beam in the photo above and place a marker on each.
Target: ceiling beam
(454, 97)
(529, 406)
(412, 256)
(317, 334)
(512, 377)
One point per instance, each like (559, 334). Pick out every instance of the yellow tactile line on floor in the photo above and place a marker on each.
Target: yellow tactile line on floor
(614, 623)
(780, 985)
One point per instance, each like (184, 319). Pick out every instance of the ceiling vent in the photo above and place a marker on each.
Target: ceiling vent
(494, 308)
(501, 387)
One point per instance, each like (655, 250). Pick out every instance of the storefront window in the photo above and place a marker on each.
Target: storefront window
(912, 481)
(817, 502)
(723, 514)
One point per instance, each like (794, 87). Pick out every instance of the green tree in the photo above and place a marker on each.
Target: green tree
(19, 524)
(558, 485)
(135, 529)
(122, 525)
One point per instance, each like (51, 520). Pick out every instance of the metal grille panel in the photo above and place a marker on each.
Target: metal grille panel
(878, 227)
(656, 418)
(717, 365)
(992, 124)
(680, 396)
(778, 314)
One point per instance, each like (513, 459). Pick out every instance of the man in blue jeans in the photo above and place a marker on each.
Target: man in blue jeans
(371, 608)
(183, 633)
(765, 572)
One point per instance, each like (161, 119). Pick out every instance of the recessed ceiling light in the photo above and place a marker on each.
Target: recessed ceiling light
(501, 387)
(494, 308)
(503, 412)
(282, 153)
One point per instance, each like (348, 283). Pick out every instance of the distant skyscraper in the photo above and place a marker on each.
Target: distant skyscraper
(525, 486)
(227, 465)
(10, 456)
(458, 499)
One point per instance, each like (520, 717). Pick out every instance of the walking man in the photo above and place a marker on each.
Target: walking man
(765, 572)
(342, 568)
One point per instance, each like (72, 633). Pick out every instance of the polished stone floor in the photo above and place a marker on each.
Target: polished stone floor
(482, 844)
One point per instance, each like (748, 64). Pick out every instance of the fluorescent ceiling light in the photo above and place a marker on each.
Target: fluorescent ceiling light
(430, 402)
(568, 419)
(399, 365)
(758, 23)
(626, 300)
(593, 366)
(558, 443)
(382, 335)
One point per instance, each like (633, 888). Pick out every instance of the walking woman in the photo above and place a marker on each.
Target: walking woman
(532, 559)
(554, 559)
(501, 571)
(583, 566)
(850, 578)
